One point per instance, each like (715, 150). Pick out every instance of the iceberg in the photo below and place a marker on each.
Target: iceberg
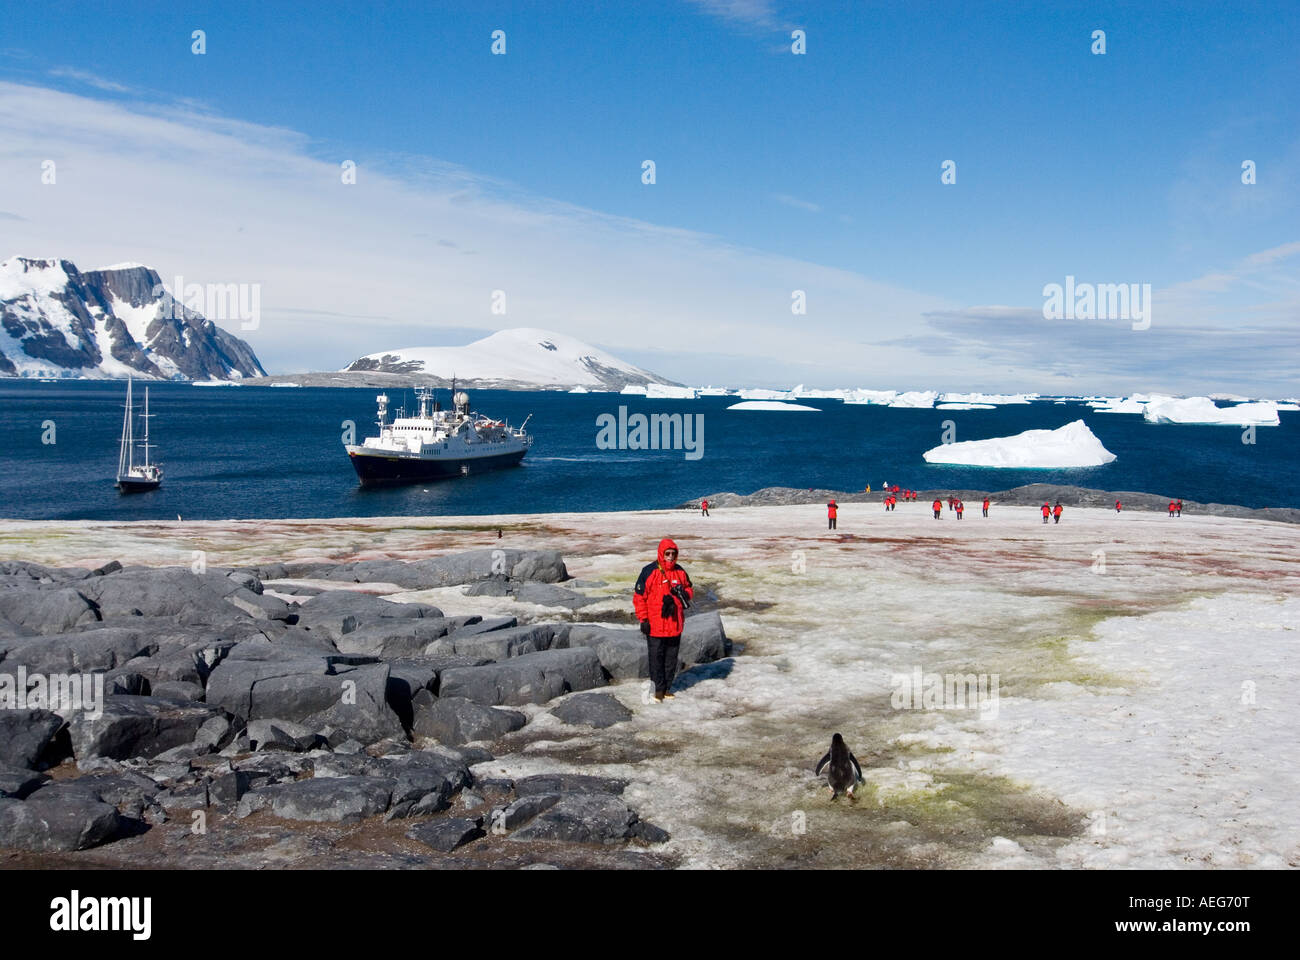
(770, 405)
(1072, 445)
(1118, 405)
(662, 391)
(915, 399)
(966, 406)
(634, 389)
(988, 398)
(761, 394)
(1202, 410)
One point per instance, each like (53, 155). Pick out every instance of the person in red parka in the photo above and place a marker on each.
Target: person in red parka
(937, 507)
(1171, 508)
(1047, 510)
(832, 512)
(961, 507)
(704, 508)
(1118, 506)
(986, 506)
(660, 598)
(1056, 512)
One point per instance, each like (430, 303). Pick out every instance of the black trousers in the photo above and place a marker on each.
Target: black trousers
(663, 661)
(986, 511)
(830, 523)
(936, 514)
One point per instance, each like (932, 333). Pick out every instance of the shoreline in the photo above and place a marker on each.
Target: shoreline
(1029, 495)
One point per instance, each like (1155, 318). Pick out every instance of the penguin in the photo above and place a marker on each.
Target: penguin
(845, 772)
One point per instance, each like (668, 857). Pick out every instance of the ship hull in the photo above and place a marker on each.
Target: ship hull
(374, 469)
(137, 486)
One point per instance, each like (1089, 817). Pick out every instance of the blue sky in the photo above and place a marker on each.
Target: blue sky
(819, 171)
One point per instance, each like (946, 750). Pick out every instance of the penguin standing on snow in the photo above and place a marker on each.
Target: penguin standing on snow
(845, 772)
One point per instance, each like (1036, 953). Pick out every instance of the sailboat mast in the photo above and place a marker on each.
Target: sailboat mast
(124, 457)
(146, 428)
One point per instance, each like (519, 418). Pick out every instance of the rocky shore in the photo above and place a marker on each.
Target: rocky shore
(1030, 495)
(284, 694)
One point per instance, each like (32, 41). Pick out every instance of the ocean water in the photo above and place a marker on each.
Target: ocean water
(243, 452)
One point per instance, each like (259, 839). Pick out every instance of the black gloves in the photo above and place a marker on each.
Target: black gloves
(645, 627)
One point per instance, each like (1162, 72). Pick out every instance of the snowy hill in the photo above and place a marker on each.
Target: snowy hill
(522, 358)
(56, 321)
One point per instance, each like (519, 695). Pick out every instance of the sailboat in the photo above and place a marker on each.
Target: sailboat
(134, 477)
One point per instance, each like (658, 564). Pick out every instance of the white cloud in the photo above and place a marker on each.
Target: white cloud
(219, 200)
(86, 77)
(795, 202)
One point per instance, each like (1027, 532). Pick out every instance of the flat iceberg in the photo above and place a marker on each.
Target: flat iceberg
(915, 399)
(663, 391)
(1072, 445)
(985, 399)
(964, 406)
(769, 405)
(1202, 410)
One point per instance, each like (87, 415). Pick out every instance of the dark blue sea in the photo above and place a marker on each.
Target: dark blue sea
(242, 452)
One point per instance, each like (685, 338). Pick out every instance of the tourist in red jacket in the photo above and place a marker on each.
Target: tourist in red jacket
(937, 507)
(1118, 506)
(1056, 512)
(1047, 511)
(960, 507)
(662, 593)
(832, 512)
(704, 508)
(986, 506)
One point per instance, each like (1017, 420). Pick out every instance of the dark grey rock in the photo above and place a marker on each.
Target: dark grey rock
(338, 612)
(623, 654)
(276, 734)
(446, 835)
(532, 678)
(499, 644)
(25, 735)
(17, 782)
(136, 727)
(475, 625)
(455, 720)
(392, 637)
(703, 640)
(331, 799)
(649, 833)
(228, 788)
(592, 709)
(56, 822)
(94, 651)
(549, 595)
(523, 810)
(580, 818)
(176, 690)
(46, 610)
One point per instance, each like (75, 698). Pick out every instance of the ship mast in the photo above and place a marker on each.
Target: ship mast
(146, 443)
(125, 456)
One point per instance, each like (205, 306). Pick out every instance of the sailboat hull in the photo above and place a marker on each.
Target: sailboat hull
(137, 485)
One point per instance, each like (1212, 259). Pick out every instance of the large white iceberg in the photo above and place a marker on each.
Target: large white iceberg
(1203, 410)
(965, 406)
(915, 398)
(770, 405)
(662, 391)
(987, 398)
(1072, 445)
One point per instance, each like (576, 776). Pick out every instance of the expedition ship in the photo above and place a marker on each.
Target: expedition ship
(436, 443)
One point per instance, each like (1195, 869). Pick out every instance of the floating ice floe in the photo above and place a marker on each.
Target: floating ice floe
(919, 399)
(662, 391)
(996, 399)
(1202, 410)
(1072, 445)
(964, 406)
(770, 405)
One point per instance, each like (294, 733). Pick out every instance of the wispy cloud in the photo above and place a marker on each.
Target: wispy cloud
(91, 79)
(795, 202)
(752, 13)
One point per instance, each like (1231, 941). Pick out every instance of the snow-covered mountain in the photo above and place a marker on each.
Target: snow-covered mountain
(56, 321)
(522, 358)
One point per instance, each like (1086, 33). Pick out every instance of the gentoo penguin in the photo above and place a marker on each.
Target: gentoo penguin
(845, 772)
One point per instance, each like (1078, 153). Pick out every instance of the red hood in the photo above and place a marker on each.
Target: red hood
(666, 544)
